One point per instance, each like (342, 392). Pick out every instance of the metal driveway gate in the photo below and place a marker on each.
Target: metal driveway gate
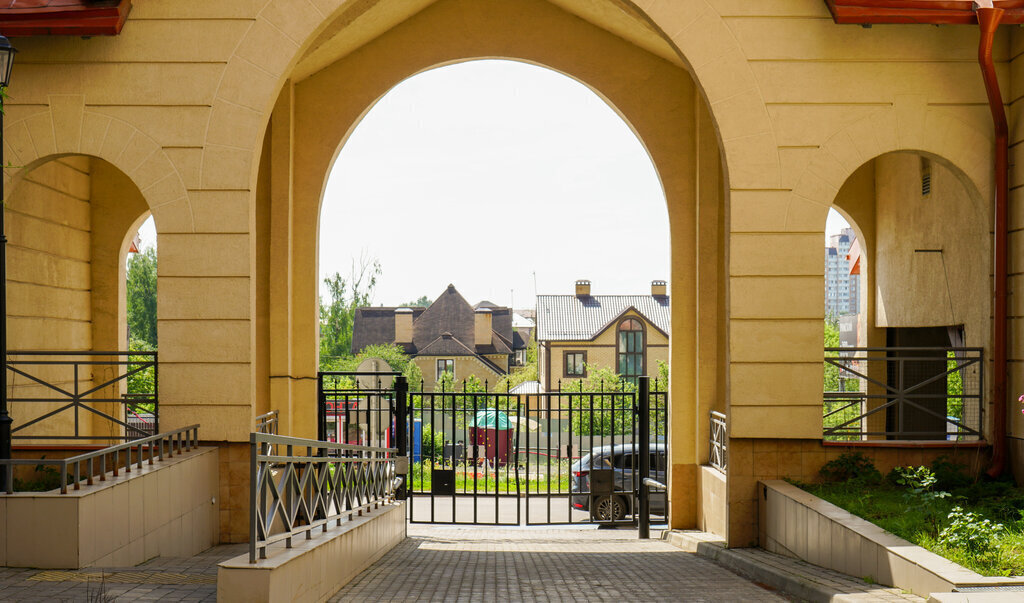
(486, 458)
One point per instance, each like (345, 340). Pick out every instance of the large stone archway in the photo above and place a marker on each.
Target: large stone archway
(655, 96)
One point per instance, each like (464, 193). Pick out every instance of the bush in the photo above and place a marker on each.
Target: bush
(949, 473)
(433, 445)
(850, 466)
(969, 532)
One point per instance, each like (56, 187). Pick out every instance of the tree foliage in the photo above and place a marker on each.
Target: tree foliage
(142, 298)
(422, 302)
(337, 314)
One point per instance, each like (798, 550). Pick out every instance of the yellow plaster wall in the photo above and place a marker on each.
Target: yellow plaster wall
(49, 219)
(798, 104)
(465, 366)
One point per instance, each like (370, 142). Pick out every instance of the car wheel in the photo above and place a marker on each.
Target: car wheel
(608, 508)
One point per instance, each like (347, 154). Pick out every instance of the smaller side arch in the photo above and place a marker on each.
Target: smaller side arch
(67, 128)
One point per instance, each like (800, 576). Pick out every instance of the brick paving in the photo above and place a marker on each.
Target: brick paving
(447, 563)
(160, 579)
(516, 564)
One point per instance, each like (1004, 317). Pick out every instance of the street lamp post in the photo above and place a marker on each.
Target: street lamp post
(6, 62)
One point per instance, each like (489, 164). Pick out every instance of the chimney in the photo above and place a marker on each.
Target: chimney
(582, 288)
(482, 327)
(403, 325)
(659, 288)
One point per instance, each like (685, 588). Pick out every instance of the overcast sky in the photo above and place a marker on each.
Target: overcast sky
(484, 173)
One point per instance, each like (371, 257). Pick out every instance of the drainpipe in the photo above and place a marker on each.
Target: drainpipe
(988, 21)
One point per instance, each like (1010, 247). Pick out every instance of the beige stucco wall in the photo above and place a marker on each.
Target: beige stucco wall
(465, 366)
(167, 509)
(795, 105)
(921, 289)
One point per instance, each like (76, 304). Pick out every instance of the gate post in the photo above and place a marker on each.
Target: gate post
(321, 411)
(644, 495)
(402, 433)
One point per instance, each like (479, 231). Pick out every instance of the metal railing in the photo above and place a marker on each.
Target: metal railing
(70, 386)
(268, 423)
(718, 449)
(903, 394)
(148, 449)
(311, 484)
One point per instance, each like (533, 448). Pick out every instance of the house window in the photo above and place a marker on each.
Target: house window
(575, 364)
(446, 365)
(631, 349)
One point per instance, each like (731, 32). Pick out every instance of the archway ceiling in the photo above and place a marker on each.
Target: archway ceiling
(364, 20)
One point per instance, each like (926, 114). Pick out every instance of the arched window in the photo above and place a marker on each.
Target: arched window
(631, 349)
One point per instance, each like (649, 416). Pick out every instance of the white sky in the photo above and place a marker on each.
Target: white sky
(483, 173)
(833, 224)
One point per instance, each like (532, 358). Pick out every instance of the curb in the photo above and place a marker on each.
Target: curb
(710, 547)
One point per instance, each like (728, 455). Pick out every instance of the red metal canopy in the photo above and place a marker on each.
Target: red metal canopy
(934, 12)
(63, 17)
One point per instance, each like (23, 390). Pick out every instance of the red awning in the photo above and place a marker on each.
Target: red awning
(20, 18)
(935, 12)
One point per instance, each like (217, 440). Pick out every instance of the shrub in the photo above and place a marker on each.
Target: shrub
(850, 466)
(969, 532)
(950, 474)
(920, 482)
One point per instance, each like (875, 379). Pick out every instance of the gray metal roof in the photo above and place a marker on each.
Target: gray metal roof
(581, 318)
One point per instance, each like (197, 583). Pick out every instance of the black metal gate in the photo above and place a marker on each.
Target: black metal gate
(486, 458)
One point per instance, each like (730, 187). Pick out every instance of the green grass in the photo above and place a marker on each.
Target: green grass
(488, 481)
(885, 505)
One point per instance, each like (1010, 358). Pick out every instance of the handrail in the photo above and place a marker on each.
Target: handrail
(268, 423)
(928, 393)
(303, 492)
(85, 382)
(184, 439)
(718, 452)
(653, 483)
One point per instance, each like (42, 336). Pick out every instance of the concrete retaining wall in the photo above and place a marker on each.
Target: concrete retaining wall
(315, 569)
(798, 524)
(165, 509)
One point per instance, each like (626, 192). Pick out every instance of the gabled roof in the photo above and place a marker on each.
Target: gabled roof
(377, 325)
(445, 328)
(581, 318)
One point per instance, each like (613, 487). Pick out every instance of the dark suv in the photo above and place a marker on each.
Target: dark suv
(623, 462)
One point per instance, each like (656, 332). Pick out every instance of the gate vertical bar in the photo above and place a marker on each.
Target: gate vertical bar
(643, 403)
(321, 411)
(401, 431)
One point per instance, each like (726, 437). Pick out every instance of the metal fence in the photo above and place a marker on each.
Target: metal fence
(84, 394)
(268, 423)
(718, 452)
(903, 394)
(110, 460)
(298, 485)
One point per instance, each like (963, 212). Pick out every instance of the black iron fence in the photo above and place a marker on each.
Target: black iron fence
(903, 394)
(485, 457)
(98, 396)
(298, 485)
(94, 466)
(718, 452)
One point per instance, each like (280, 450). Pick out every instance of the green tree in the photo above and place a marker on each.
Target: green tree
(142, 298)
(601, 409)
(396, 358)
(143, 381)
(831, 341)
(422, 302)
(338, 313)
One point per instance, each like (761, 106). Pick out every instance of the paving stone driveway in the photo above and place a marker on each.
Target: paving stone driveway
(516, 564)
